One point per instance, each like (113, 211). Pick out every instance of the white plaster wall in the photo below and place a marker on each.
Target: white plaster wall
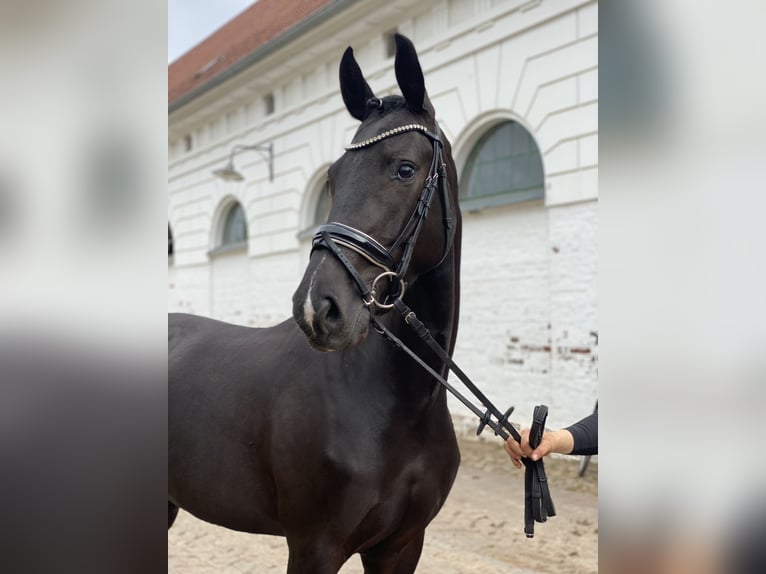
(253, 291)
(529, 307)
(189, 289)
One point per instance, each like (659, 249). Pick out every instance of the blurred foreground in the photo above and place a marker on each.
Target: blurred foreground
(682, 287)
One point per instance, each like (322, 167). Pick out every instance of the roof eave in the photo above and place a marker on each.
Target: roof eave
(262, 52)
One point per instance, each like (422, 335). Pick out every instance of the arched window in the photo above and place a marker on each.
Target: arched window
(503, 167)
(230, 231)
(234, 232)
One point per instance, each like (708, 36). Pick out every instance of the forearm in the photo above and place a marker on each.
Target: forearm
(584, 436)
(562, 441)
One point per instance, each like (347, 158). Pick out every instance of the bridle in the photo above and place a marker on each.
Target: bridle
(538, 504)
(335, 235)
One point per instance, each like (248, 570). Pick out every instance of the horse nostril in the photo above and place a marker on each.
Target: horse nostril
(328, 311)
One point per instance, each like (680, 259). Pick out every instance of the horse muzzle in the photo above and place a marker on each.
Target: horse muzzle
(327, 308)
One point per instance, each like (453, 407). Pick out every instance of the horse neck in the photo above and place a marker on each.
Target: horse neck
(435, 299)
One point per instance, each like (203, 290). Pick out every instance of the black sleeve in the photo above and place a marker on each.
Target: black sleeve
(585, 433)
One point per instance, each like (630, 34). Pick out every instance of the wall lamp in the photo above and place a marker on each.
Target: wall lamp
(228, 173)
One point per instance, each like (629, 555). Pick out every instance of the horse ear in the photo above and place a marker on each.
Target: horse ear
(353, 86)
(409, 75)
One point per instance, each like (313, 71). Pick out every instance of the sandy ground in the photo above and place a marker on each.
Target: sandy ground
(479, 529)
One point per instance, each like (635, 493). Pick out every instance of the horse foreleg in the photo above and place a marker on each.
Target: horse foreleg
(314, 557)
(394, 559)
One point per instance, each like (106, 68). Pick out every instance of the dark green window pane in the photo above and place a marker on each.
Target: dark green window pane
(235, 226)
(505, 161)
(324, 203)
(520, 175)
(503, 142)
(504, 171)
(520, 140)
(536, 169)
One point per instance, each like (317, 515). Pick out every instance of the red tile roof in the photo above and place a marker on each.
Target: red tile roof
(240, 36)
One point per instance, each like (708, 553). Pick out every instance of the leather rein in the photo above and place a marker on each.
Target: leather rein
(538, 504)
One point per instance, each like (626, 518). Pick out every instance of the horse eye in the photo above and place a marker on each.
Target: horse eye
(406, 171)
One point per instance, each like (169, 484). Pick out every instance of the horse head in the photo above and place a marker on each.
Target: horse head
(378, 239)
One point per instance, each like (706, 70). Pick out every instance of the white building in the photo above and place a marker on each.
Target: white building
(515, 87)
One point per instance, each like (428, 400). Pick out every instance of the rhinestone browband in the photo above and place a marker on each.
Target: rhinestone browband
(387, 134)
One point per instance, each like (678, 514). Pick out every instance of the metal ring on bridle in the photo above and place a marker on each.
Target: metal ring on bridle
(373, 293)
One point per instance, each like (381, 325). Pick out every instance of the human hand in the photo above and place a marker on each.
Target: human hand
(553, 441)
(518, 450)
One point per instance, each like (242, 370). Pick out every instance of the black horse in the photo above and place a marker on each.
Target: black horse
(343, 452)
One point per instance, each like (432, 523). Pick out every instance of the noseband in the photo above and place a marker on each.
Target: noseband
(335, 235)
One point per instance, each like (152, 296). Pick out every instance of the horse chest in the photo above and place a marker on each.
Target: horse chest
(397, 489)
